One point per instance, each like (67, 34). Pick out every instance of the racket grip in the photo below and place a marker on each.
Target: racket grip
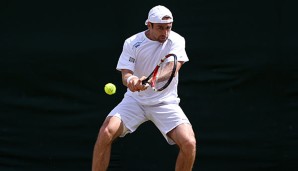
(144, 82)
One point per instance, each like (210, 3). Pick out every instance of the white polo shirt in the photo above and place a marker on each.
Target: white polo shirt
(141, 55)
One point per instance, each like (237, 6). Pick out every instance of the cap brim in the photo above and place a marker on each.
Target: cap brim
(161, 21)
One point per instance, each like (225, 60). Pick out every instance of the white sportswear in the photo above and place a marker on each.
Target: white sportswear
(141, 55)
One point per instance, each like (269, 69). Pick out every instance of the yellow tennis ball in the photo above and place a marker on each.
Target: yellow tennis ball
(110, 88)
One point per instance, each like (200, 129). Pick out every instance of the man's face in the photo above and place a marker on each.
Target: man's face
(160, 31)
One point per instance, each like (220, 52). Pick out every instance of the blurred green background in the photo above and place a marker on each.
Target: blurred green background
(240, 88)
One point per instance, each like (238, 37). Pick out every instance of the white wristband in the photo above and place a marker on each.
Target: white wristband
(130, 77)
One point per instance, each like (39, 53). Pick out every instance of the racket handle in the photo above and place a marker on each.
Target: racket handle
(144, 82)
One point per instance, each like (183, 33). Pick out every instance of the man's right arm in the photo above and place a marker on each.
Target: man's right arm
(131, 81)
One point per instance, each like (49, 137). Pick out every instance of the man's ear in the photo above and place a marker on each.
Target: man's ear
(149, 25)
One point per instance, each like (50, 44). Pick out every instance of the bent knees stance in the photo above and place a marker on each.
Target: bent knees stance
(188, 145)
(184, 137)
(110, 130)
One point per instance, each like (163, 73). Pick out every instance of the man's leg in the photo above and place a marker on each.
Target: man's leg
(184, 137)
(109, 131)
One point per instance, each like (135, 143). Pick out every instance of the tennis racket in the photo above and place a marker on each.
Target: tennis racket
(162, 75)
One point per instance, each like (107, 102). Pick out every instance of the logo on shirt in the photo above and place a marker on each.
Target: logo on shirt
(131, 59)
(137, 44)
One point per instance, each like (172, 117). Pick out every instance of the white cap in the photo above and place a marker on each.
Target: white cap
(157, 13)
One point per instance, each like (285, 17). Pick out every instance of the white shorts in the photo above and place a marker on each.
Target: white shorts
(165, 116)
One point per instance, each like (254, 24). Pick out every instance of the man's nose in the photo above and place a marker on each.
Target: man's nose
(165, 32)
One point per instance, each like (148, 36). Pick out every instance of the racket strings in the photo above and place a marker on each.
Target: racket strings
(164, 73)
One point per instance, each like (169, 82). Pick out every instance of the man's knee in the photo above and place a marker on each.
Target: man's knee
(189, 144)
(109, 131)
(105, 134)
(193, 143)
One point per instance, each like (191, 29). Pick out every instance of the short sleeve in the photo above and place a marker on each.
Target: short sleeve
(178, 48)
(126, 59)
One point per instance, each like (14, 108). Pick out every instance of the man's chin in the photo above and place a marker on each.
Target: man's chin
(161, 40)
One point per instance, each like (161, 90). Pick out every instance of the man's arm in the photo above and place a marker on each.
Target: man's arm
(131, 81)
(125, 74)
(179, 65)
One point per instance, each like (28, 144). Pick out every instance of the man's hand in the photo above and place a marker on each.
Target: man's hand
(135, 84)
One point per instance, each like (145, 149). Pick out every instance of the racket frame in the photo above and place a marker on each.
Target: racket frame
(155, 71)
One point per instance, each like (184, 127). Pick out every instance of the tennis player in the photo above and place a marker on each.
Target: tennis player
(141, 52)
